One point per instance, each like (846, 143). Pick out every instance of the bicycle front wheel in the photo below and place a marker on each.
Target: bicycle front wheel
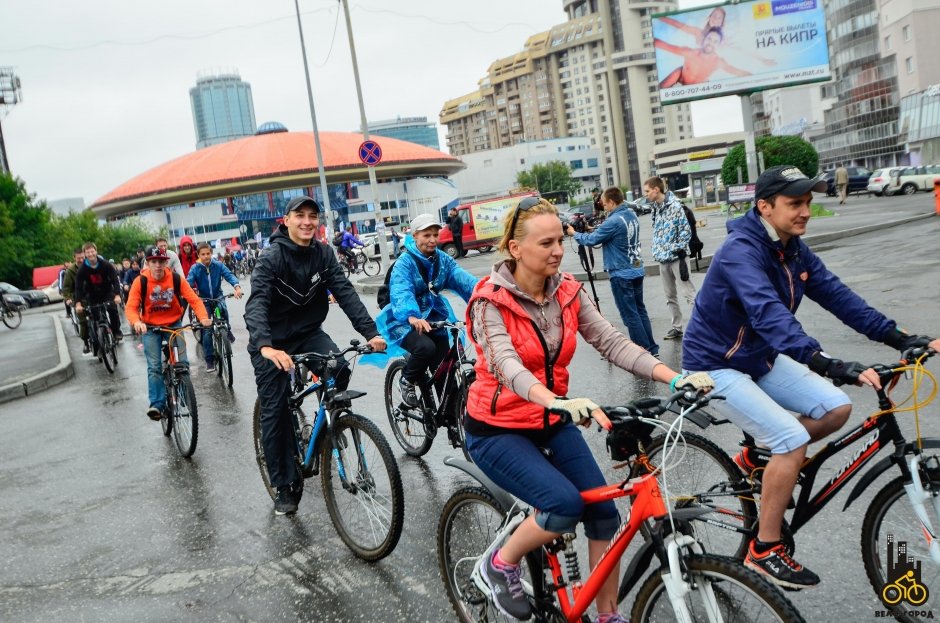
(371, 267)
(185, 416)
(407, 422)
(225, 361)
(739, 594)
(460, 409)
(166, 421)
(699, 473)
(12, 317)
(891, 515)
(108, 352)
(362, 488)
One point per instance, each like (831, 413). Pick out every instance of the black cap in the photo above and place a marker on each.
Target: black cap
(297, 202)
(786, 180)
(156, 253)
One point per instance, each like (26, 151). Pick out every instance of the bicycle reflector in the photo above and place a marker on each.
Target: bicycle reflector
(626, 440)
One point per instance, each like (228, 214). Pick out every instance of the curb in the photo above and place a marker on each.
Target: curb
(652, 270)
(44, 380)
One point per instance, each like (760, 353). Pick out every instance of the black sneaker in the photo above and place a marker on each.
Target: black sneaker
(231, 336)
(674, 334)
(154, 414)
(506, 590)
(284, 502)
(409, 394)
(86, 348)
(210, 365)
(118, 337)
(778, 567)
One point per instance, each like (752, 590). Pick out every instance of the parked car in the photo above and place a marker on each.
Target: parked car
(880, 180)
(858, 181)
(34, 298)
(909, 180)
(52, 291)
(371, 240)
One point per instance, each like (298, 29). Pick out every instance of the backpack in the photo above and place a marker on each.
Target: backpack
(338, 240)
(177, 288)
(695, 245)
(384, 296)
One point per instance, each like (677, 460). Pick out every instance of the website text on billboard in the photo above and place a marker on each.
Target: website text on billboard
(740, 48)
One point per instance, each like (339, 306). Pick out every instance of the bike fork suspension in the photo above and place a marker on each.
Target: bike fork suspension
(678, 585)
(918, 498)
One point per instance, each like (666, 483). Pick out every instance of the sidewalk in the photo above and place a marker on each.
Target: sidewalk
(35, 355)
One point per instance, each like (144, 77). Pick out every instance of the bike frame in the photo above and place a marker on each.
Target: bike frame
(98, 315)
(447, 370)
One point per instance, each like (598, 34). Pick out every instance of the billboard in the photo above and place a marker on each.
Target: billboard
(740, 48)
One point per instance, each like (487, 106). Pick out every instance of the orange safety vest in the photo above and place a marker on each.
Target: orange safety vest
(491, 402)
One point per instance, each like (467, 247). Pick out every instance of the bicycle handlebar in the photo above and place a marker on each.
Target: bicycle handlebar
(447, 324)
(888, 370)
(355, 346)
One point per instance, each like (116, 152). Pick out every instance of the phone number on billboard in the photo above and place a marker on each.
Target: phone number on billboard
(698, 89)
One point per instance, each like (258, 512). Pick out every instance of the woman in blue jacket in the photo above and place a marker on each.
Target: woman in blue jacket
(416, 301)
(205, 277)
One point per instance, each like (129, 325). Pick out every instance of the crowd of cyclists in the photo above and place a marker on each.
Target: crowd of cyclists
(743, 342)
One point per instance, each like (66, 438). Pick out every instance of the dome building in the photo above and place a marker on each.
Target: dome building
(239, 189)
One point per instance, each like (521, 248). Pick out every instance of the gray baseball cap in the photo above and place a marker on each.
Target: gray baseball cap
(423, 221)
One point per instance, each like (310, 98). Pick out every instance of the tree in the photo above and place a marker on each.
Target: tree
(548, 177)
(777, 150)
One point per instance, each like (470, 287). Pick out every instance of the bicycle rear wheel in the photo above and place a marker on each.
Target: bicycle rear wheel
(701, 474)
(166, 422)
(469, 523)
(408, 429)
(107, 348)
(367, 509)
(891, 515)
(12, 317)
(259, 448)
(460, 409)
(185, 415)
(224, 361)
(740, 594)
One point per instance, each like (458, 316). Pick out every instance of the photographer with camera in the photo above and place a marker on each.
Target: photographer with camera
(619, 235)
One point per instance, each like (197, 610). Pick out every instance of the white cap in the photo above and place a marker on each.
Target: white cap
(423, 221)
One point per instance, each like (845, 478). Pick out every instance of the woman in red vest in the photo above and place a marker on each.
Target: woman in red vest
(524, 320)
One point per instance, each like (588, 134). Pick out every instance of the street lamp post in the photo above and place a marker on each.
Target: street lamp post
(380, 223)
(325, 210)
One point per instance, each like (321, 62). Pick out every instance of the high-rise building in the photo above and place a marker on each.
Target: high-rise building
(411, 129)
(222, 109)
(592, 76)
(861, 127)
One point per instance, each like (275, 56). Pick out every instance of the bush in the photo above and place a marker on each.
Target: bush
(777, 150)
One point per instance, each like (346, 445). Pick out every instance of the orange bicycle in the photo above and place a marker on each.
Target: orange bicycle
(181, 416)
(688, 586)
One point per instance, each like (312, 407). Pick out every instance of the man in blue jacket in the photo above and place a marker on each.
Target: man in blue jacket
(623, 260)
(205, 277)
(416, 300)
(744, 333)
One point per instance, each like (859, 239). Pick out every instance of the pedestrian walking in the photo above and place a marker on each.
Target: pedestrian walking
(455, 225)
(671, 236)
(619, 235)
(396, 241)
(842, 183)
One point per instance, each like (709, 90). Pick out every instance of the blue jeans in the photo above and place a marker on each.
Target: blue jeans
(153, 351)
(207, 348)
(628, 296)
(551, 485)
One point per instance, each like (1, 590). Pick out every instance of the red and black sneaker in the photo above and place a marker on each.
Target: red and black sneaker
(745, 462)
(778, 567)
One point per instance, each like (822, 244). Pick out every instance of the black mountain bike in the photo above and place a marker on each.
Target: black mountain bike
(360, 479)
(907, 508)
(221, 345)
(369, 266)
(442, 398)
(102, 340)
(12, 317)
(181, 415)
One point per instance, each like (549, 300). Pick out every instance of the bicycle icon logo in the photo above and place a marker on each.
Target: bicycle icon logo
(903, 577)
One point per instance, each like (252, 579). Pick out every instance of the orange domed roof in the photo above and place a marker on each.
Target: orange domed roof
(268, 162)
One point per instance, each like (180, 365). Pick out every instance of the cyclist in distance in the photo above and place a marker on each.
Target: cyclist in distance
(160, 305)
(415, 285)
(205, 277)
(525, 318)
(188, 255)
(284, 314)
(68, 293)
(744, 333)
(97, 282)
(347, 244)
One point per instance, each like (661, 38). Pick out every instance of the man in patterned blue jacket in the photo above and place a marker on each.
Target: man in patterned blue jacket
(744, 333)
(206, 277)
(416, 300)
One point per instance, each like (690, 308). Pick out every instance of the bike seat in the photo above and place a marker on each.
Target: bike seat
(349, 394)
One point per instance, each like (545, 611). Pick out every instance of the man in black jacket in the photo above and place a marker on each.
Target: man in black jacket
(284, 314)
(456, 228)
(96, 282)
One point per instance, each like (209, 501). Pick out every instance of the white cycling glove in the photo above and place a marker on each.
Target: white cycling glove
(578, 408)
(696, 381)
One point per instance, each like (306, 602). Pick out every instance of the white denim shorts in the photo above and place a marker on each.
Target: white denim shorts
(765, 408)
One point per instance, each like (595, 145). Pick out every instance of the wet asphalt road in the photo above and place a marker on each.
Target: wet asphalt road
(103, 521)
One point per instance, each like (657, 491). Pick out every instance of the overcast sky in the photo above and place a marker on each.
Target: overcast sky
(106, 83)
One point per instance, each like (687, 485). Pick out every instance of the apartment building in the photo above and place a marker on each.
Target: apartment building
(593, 76)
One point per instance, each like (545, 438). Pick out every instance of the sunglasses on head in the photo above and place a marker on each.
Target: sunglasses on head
(526, 204)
